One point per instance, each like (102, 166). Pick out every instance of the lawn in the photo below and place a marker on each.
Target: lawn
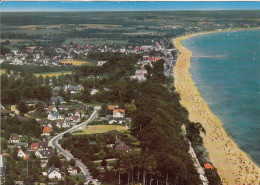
(51, 74)
(81, 178)
(98, 129)
(74, 62)
(2, 71)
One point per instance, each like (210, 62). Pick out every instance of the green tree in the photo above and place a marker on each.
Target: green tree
(22, 107)
(54, 80)
(40, 80)
(47, 80)
(55, 161)
(104, 163)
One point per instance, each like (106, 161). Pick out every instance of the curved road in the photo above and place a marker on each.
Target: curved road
(54, 144)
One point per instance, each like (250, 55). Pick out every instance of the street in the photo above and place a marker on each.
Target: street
(54, 144)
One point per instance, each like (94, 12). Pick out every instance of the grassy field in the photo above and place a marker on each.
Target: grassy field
(51, 74)
(98, 129)
(74, 62)
(81, 178)
(2, 71)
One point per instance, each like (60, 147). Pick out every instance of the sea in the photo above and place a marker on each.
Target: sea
(226, 69)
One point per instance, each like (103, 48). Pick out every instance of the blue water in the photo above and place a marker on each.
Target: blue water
(230, 83)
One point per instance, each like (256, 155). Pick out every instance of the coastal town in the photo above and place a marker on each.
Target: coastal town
(62, 117)
(88, 101)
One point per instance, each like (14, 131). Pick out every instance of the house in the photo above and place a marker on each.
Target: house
(24, 144)
(75, 118)
(73, 88)
(79, 113)
(62, 123)
(54, 116)
(51, 109)
(122, 147)
(46, 131)
(111, 107)
(93, 91)
(23, 154)
(35, 146)
(72, 171)
(54, 173)
(112, 120)
(101, 63)
(45, 154)
(14, 138)
(43, 145)
(118, 113)
(63, 107)
(208, 166)
(56, 99)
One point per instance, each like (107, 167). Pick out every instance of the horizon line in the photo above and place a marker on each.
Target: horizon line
(129, 10)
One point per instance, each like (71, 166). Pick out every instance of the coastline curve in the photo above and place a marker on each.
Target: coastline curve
(234, 165)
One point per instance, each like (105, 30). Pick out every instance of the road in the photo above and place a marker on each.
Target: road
(54, 144)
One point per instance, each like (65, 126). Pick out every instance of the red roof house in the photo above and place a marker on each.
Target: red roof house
(46, 130)
(35, 146)
(208, 166)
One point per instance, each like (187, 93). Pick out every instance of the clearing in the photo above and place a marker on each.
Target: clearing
(51, 74)
(98, 129)
(74, 62)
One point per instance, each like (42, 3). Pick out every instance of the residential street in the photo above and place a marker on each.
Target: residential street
(54, 144)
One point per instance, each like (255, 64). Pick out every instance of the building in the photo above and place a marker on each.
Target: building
(140, 74)
(45, 154)
(43, 145)
(208, 166)
(54, 116)
(121, 147)
(24, 144)
(54, 173)
(75, 118)
(46, 131)
(73, 88)
(51, 109)
(72, 171)
(56, 99)
(79, 113)
(101, 63)
(118, 113)
(14, 138)
(93, 91)
(35, 146)
(23, 154)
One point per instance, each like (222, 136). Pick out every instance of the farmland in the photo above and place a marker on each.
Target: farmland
(74, 62)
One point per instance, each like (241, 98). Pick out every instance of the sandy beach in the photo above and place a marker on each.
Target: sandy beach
(234, 166)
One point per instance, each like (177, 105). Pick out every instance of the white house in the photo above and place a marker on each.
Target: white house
(72, 171)
(21, 153)
(62, 123)
(14, 138)
(54, 173)
(45, 154)
(101, 63)
(54, 116)
(93, 91)
(118, 113)
(79, 113)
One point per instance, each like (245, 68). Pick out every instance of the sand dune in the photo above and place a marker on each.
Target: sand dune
(234, 165)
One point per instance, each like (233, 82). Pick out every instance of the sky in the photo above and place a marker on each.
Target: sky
(124, 6)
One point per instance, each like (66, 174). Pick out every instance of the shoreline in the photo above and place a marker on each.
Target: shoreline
(233, 164)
